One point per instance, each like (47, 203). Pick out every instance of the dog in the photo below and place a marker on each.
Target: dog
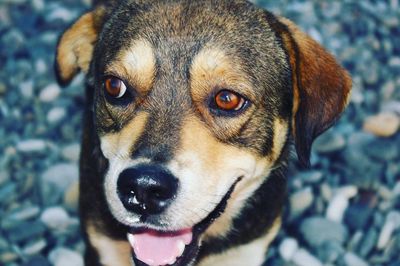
(193, 108)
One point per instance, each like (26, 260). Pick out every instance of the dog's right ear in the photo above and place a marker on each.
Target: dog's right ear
(75, 47)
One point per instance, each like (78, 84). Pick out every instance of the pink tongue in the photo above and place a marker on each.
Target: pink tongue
(154, 248)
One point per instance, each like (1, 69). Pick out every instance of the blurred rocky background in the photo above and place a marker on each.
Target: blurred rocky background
(344, 211)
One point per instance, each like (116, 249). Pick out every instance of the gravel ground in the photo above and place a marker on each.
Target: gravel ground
(342, 211)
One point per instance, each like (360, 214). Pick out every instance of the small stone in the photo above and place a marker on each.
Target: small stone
(50, 93)
(391, 107)
(358, 216)
(62, 14)
(368, 243)
(337, 207)
(25, 231)
(40, 64)
(288, 248)
(310, 176)
(26, 89)
(348, 191)
(355, 240)
(327, 231)
(382, 150)
(326, 192)
(7, 193)
(37, 261)
(71, 152)
(24, 214)
(56, 114)
(300, 201)
(329, 142)
(392, 223)
(31, 145)
(8, 257)
(65, 257)
(56, 218)
(352, 259)
(382, 125)
(71, 197)
(329, 252)
(4, 177)
(34, 247)
(396, 189)
(61, 175)
(303, 258)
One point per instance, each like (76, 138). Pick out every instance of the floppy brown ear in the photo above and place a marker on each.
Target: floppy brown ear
(75, 47)
(320, 86)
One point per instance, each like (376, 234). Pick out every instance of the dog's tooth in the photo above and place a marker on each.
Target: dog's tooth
(131, 239)
(172, 261)
(181, 248)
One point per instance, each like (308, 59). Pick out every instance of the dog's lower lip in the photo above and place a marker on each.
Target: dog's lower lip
(191, 249)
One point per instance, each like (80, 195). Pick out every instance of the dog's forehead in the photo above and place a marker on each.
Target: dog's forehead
(181, 28)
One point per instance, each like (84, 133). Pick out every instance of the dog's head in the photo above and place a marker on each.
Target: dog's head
(194, 103)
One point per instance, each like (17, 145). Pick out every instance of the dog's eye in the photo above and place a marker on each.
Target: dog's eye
(115, 87)
(229, 101)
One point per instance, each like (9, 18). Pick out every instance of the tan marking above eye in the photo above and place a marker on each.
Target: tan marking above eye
(136, 64)
(212, 68)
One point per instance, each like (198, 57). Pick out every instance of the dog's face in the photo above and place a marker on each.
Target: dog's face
(194, 104)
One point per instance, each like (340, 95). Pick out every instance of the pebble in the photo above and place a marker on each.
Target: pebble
(61, 175)
(329, 252)
(37, 261)
(71, 197)
(368, 242)
(34, 247)
(328, 231)
(358, 216)
(391, 107)
(300, 201)
(56, 114)
(50, 93)
(383, 124)
(31, 145)
(25, 213)
(392, 223)
(337, 207)
(4, 177)
(313, 176)
(288, 248)
(71, 152)
(25, 231)
(56, 218)
(303, 258)
(8, 257)
(352, 259)
(62, 256)
(329, 142)
(26, 89)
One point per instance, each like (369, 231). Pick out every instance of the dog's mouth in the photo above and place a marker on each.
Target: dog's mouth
(153, 248)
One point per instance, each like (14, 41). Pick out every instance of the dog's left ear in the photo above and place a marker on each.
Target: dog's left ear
(75, 47)
(320, 87)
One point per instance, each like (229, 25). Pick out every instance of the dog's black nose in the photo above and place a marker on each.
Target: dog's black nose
(146, 189)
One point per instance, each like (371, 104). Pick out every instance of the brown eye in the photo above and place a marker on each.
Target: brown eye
(115, 87)
(229, 101)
